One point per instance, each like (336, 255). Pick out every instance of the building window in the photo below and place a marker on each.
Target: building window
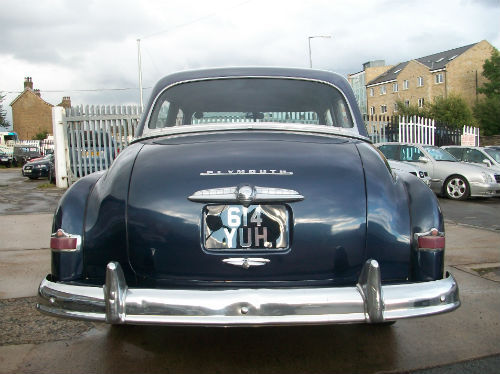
(406, 84)
(439, 78)
(382, 90)
(371, 92)
(383, 109)
(420, 81)
(421, 102)
(372, 110)
(395, 87)
(395, 107)
(407, 103)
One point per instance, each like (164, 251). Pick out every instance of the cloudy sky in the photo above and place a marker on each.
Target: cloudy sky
(87, 49)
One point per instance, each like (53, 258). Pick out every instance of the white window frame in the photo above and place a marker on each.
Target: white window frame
(396, 108)
(395, 87)
(370, 92)
(406, 84)
(439, 78)
(372, 110)
(420, 81)
(407, 103)
(383, 109)
(421, 102)
(383, 90)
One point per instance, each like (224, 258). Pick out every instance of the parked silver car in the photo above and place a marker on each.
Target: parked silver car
(482, 156)
(404, 167)
(456, 180)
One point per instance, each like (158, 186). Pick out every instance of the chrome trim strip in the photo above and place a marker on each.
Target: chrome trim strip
(231, 195)
(246, 307)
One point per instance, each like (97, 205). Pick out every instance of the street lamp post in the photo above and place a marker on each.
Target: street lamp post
(309, 39)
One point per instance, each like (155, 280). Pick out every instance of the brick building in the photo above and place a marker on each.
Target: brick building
(416, 82)
(31, 114)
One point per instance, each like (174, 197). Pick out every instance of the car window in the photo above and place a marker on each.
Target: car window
(391, 152)
(493, 153)
(410, 153)
(236, 100)
(439, 154)
(456, 152)
(473, 155)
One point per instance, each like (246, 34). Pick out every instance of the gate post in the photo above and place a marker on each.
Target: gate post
(60, 147)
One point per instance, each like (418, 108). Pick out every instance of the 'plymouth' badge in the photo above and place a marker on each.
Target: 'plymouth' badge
(247, 172)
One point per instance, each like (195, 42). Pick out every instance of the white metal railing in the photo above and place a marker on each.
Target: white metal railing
(92, 136)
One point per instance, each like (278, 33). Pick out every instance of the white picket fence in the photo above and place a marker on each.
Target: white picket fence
(416, 130)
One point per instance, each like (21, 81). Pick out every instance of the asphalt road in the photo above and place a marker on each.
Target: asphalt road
(466, 340)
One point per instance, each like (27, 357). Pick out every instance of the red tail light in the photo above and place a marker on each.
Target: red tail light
(431, 240)
(61, 241)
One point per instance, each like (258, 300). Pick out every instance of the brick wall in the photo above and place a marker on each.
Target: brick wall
(31, 115)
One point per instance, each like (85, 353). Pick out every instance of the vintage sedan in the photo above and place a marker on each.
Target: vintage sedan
(252, 196)
(456, 180)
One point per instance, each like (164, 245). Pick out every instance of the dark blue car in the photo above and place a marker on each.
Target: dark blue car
(252, 196)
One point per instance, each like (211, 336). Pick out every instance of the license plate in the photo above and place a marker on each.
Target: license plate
(27, 171)
(252, 228)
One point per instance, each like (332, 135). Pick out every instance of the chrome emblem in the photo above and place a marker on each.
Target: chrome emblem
(245, 194)
(247, 172)
(245, 263)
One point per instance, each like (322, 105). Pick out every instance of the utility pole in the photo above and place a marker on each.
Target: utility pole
(140, 71)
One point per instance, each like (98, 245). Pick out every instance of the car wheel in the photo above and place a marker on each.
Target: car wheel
(33, 177)
(456, 188)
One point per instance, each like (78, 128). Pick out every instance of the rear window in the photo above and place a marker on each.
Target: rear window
(236, 100)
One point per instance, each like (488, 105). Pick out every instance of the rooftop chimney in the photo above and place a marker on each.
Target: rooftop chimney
(66, 102)
(37, 92)
(28, 83)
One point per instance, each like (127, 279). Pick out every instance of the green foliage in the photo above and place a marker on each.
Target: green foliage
(41, 135)
(409, 111)
(487, 109)
(487, 112)
(452, 110)
(491, 71)
(3, 114)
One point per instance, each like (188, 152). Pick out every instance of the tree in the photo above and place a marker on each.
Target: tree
(3, 114)
(409, 110)
(487, 109)
(41, 135)
(452, 110)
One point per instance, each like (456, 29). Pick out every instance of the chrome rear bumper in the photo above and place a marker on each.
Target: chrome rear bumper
(367, 302)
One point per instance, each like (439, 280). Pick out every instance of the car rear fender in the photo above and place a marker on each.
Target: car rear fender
(425, 215)
(69, 217)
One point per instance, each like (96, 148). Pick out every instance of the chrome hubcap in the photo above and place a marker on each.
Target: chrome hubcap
(456, 188)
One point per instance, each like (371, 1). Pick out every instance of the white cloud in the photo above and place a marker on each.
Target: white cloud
(75, 45)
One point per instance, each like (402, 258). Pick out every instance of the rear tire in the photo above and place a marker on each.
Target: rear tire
(456, 187)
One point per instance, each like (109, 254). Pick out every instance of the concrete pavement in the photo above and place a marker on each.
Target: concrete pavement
(470, 332)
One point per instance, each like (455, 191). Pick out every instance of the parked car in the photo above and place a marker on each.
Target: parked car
(456, 180)
(244, 221)
(403, 167)
(5, 159)
(481, 156)
(40, 168)
(23, 153)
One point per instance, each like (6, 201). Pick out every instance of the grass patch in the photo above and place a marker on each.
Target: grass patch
(46, 185)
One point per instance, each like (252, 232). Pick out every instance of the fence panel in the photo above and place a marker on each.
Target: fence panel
(96, 135)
